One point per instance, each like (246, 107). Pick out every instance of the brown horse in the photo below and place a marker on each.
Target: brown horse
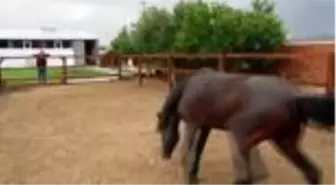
(251, 108)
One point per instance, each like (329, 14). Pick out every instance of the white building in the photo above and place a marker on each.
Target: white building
(24, 42)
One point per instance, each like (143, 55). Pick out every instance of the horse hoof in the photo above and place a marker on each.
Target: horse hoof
(260, 177)
(243, 181)
(192, 181)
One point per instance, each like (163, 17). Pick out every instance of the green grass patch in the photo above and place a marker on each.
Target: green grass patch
(52, 73)
(85, 72)
(26, 76)
(28, 73)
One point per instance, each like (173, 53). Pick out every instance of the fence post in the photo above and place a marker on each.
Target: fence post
(171, 72)
(118, 59)
(64, 76)
(330, 75)
(220, 63)
(1, 80)
(140, 77)
(148, 68)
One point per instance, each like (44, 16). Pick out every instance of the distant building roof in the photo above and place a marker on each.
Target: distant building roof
(45, 33)
(310, 42)
(316, 40)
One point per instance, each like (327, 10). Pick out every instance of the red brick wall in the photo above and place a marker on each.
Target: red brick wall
(312, 64)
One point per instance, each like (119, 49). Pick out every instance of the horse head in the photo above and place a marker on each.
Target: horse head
(167, 127)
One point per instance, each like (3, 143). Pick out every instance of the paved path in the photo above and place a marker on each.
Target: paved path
(106, 70)
(112, 71)
(96, 79)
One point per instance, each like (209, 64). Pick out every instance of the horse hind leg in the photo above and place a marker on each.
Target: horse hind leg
(288, 144)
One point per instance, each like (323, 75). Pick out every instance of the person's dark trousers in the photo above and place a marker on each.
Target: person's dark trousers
(42, 74)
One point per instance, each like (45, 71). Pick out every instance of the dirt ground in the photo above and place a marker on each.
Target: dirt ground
(105, 133)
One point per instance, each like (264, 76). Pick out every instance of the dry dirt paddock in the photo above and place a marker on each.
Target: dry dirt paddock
(104, 133)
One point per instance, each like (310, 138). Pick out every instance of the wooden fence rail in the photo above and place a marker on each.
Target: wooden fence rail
(220, 57)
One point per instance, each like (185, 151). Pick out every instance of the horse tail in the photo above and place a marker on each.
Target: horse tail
(319, 108)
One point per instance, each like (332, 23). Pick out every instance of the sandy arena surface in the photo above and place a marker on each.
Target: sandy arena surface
(104, 133)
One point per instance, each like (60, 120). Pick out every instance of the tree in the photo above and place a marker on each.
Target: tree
(265, 6)
(265, 33)
(217, 27)
(123, 42)
(154, 32)
(199, 26)
(194, 31)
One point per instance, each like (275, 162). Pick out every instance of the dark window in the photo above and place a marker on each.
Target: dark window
(66, 44)
(3, 44)
(17, 43)
(49, 43)
(27, 44)
(58, 44)
(37, 43)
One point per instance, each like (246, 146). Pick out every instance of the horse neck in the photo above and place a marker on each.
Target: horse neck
(173, 99)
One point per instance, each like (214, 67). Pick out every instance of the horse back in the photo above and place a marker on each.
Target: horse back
(206, 93)
(219, 97)
(265, 88)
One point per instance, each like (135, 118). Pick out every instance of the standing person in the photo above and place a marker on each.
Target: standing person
(41, 64)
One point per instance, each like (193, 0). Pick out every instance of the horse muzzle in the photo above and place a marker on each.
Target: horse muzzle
(166, 156)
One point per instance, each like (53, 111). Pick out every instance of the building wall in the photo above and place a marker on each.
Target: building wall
(30, 62)
(95, 52)
(76, 48)
(79, 50)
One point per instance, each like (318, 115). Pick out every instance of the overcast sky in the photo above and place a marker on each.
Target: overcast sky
(304, 18)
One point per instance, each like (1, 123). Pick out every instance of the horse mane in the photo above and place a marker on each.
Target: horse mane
(170, 107)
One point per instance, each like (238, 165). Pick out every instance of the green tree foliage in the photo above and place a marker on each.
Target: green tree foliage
(266, 6)
(123, 42)
(199, 26)
(153, 32)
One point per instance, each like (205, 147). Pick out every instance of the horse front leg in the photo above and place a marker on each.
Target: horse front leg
(241, 160)
(188, 153)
